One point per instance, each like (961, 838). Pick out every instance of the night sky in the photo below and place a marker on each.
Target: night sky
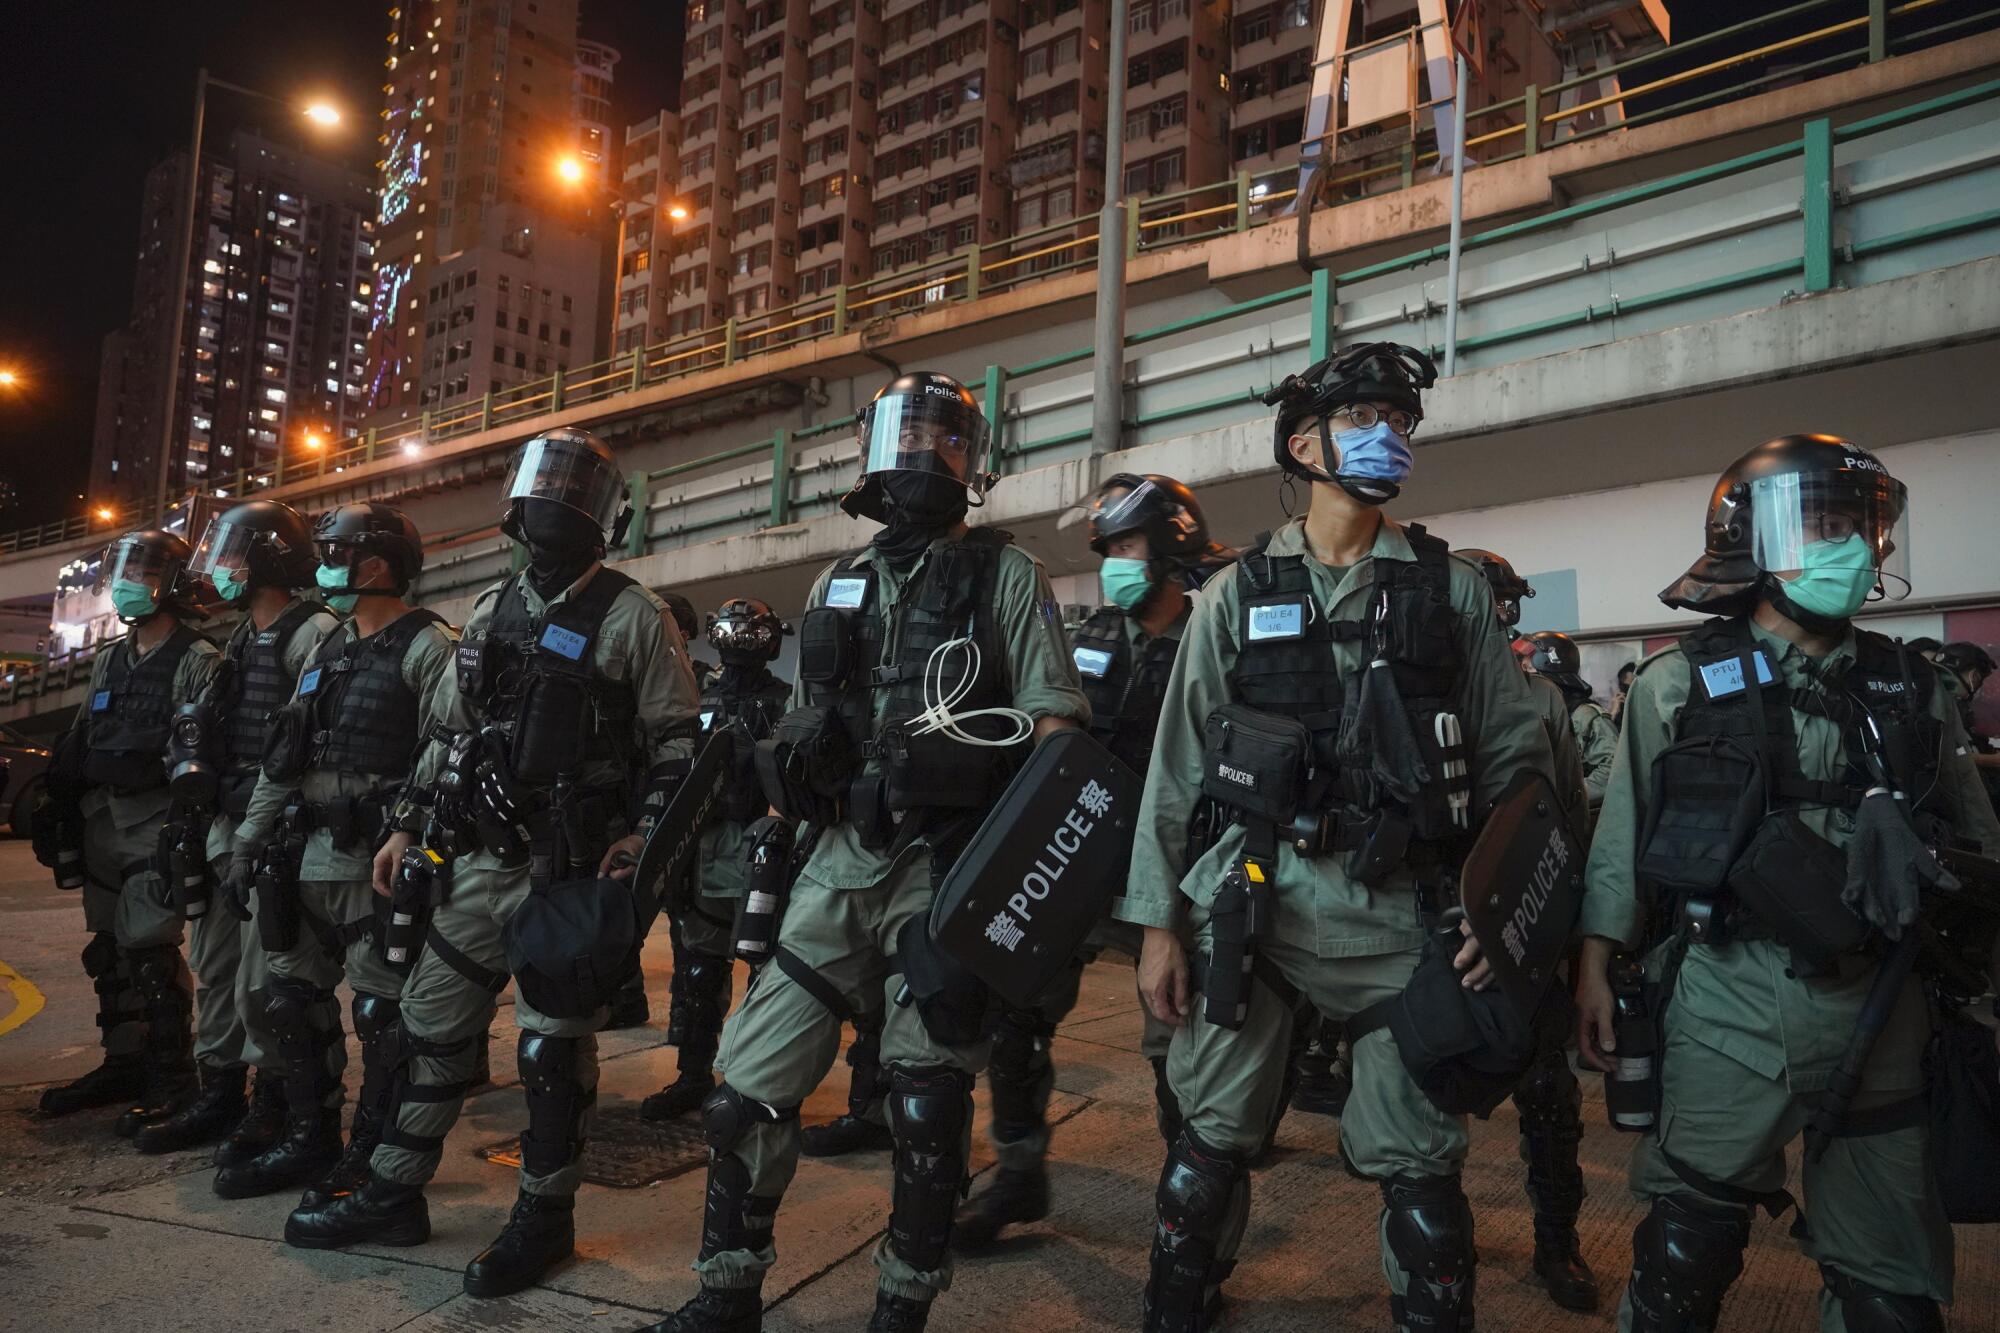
(102, 90)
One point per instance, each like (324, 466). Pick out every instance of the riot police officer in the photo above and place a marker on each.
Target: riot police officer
(1556, 659)
(1775, 772)
(1346, 686)
(259, 557)
(106, 798)
(570, 709)
(743, 701)
(1965, 668)
(1549, 1100)
(336, 767)
(927, 660)
(1154, 542)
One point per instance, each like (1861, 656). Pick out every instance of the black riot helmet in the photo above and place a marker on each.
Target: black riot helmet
(1777, 509)
(746, 632)
(1508, 587)
(574, 470)
(1556, 657)
(371, 528)
(1163, 509)
(257, 544)
(1968, 661)
(1392, 373)
(156, 559)
(683, 611)
(924, 444)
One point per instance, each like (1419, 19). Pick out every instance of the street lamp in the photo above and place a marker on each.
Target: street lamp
(677, 211)
(315, 441)
(570, 169)
(323, 114)
(8, 379)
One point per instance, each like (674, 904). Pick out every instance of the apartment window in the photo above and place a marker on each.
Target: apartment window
(1061, 204)
(1255, 28)
(1028, 214)
(965, 136)
(1169, 170)
(1294, 14)
(1171, 9)
(1139, 19)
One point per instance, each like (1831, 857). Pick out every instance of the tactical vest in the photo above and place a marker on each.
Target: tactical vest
(1125, 695)
(537, 677)
(1701, 796)
(1285, 665)
(748, 709)
(130, 712)
(952, 599)
(360, 715)
(258, 685)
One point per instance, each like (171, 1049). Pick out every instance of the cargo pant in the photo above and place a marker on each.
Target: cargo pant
(1870, 1211)
(1230, 1084)
(448, 1002)
(335, 940)
(233, 970)
(125, 900)
(782, 1040)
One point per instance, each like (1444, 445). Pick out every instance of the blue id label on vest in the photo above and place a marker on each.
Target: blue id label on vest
(1722, 679)
(847, 594)
(1093, 662)
(1281, 620)
(707, 718)
(100, 702)
(309, 682)
(565, 642)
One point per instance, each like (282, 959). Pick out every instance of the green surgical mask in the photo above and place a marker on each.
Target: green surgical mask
(234, 586)
(333, 580)
(1836, 578)
(1125, 582)
(133, 600)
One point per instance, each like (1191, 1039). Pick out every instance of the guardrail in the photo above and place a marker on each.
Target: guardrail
(1180, 217)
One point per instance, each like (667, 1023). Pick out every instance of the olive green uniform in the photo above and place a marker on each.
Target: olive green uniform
(227, 953)
(446, 1004)
(1572, 782)
(1597, 744)
(123, 895)
(1749, 1045)
(1342, 944)
(845, 910)
(335, 890)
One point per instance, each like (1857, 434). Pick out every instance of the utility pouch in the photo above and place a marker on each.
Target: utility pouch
(289, 742)
(277, 889)
(1791, 879)
(951, 1002)
(553, 734)
(1708, 799)
(807, 763)
(932, 771)
(826, 647)
(1384, 843)
(1256, 763)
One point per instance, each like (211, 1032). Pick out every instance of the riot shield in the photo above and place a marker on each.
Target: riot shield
(672, 842)
(1522, 887)
(1040, 871)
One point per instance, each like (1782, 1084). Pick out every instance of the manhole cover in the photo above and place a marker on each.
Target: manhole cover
(624, 1151)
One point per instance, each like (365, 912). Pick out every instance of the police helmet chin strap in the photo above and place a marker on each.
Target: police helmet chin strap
(939, 713)
(620, 524)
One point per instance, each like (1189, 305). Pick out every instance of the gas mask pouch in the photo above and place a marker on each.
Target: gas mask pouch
(1708, 799)
(826, 646)
(288, 745)
(806, 764)
(1790, 879)
(1256, 763)
(556, 722)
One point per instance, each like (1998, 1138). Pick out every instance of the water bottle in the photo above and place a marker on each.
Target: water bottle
(767, 884)
(1632, 1087)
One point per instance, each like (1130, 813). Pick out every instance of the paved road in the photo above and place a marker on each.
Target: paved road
(93, 1236)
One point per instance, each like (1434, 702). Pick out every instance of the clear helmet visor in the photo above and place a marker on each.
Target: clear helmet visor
(1841, 523)
(568, 472)
(224, 553)
(742, 635)
(131, 560)
(931, 433)
(1120, 511)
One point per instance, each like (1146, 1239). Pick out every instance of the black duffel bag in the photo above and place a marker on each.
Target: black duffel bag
(571, 944)
(1465, 1049)
(1962, 1069)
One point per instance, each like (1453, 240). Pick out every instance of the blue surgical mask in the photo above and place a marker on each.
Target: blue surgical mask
(1370, 455)
(233, 586)
(1125, 582)
(333, 580)
(133, 600)
(1835, 578)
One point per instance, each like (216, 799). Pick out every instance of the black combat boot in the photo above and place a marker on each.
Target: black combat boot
(540, 1234)
(1019, 1194)
(716, 1310)
(308, 1150)
(311, 1142)
(846, 1134)
(1325, 1077)
(1551, 1109)
(898, 1314)
(262, 1124)
(121, 1077)
(218, 1107)
(381, 1212)
(378, 1022)
(698, 999)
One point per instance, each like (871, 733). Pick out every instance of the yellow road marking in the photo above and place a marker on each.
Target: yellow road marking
(28, 1001)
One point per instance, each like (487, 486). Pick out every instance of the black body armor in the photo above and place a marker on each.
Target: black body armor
(1126, 690)
(258, 686)
(360, 716)
(748, 704)
(129, 715)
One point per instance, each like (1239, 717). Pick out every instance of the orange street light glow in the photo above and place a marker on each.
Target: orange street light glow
(104, 514)
(323, 114)
(8, 379)
(570, 170)
(314, 440)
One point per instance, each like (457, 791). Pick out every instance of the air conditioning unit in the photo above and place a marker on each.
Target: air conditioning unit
(796, 126)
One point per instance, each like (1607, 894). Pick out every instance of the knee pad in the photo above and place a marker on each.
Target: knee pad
(1198, 1188)
(1869, 1309)
(1200, 1191)
(156, 971)
(556, 1102)
(100, 956)
(547, 1064)
(288, 1006)
(375, 1016)
(727, 1115)
(929, 1109)
(703, 974)
(1685, 1253)
(1428, 1224)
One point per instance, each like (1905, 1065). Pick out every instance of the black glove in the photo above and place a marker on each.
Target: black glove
(234, 893)
(1888, 866)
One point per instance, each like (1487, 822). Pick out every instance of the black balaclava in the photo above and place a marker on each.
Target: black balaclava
(562, 542)
(922, 506)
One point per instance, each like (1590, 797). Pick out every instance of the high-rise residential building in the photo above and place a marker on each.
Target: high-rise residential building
(1270, 79)
(647, 203)
(272, 356)
(591, 96)
(489, 266)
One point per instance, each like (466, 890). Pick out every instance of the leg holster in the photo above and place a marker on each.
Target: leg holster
(697, 1001)
(930, 1107)
(1685, 1253)
(1869, 1309)
(378, 1025)
(1201, 1190)
(116, 1004)
(1020, 1073)
(1429, 1228)
(732, 1217)
(289, 1008)
(168, 1005)
(557, 1102)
